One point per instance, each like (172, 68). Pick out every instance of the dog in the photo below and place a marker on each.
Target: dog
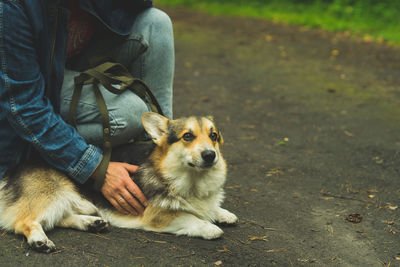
(182, 177)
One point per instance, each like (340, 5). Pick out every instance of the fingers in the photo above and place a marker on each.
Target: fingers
(130, 203)
(121, 191)
(124, 207)
(125, 203)
(131, 168)
(135, 191)
(116, 205)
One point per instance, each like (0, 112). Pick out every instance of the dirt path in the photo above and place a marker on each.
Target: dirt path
(311, 122)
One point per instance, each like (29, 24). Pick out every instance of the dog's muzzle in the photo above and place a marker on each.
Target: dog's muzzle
(208, 157)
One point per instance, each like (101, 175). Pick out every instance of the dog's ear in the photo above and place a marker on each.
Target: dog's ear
(210, 117)
(155, 125)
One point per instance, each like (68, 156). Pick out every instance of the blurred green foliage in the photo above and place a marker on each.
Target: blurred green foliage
(377, 18)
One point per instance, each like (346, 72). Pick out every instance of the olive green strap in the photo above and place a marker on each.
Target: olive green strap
(102, 168)
(111, 74)
(115, 78)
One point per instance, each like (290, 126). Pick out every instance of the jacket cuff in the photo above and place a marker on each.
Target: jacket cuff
(85, 167)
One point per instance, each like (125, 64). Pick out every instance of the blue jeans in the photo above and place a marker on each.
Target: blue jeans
(148, 53)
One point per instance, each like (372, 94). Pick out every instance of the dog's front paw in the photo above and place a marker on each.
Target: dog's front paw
(211, 231)
(225, 216)
(98, 226)
(190, 225)
(45, 246)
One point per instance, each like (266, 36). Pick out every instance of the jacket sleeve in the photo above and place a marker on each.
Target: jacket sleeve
(27, 109)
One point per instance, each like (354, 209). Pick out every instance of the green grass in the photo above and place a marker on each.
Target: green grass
(370, 19)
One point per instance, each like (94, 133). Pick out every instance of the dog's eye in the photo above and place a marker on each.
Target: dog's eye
(188, 137)
(213, 136)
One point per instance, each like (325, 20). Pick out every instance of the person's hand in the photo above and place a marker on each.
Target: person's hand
(121, 191)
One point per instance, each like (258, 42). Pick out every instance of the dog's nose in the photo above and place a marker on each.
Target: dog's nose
(208, 156)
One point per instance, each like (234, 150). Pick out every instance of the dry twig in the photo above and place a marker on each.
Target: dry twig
(328, 194)
(187, 255)
(224, 250)
(257, 224)
(276, 250)
(100, 236)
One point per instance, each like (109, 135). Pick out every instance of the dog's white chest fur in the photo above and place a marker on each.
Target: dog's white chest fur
(195, 191)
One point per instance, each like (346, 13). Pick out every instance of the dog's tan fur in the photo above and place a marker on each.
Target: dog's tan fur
(183, 176)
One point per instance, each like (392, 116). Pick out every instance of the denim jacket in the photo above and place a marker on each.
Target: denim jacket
(30, 87)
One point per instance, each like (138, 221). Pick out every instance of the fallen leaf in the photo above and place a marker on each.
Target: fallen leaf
(335, 52)
(160, 242)
(389, 222)
(248, 126)
(378, 160)
(371, 196)
(372, 191)
(368, 38)
(269, 38)
(275, 171)
(233, 186)
(217, 263)
(253, 190)
(297, 195)
(349, 188)
(253, 238)
(224, 250)
(354, 217)
(391, 207)
(380, 40)
(330, 230)
(348, 133)
(397, 258)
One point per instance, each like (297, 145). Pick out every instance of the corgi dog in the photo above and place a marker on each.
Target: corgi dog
(182, 178)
